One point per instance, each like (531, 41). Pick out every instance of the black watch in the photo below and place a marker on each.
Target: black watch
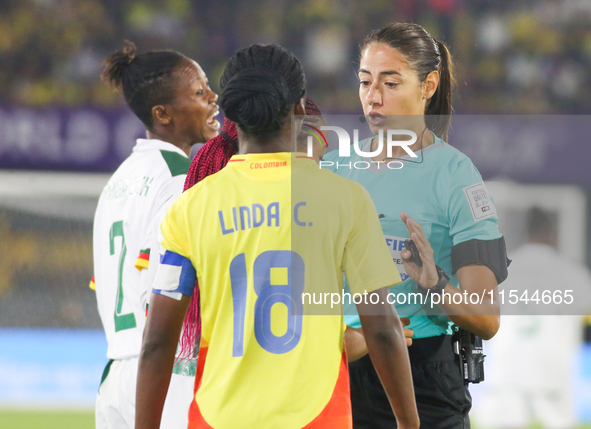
(438, 288)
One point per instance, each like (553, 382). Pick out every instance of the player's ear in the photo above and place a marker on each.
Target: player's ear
(160, 115)
(430, 84)
(300, 108)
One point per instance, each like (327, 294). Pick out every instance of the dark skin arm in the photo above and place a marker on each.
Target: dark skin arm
(355, 342)
(386, 344)
(481, 319)
(161, 336)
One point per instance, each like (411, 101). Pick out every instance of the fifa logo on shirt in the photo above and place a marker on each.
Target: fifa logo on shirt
(345, 147)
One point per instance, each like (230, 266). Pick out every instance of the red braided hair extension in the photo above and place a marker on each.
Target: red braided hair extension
(312, 108)
(210, 159)
(214, 155)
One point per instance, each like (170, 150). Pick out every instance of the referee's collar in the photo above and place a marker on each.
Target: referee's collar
(143, 145)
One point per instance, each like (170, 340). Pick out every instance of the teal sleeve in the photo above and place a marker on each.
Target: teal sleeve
(331, 156)
(351, 316)
(470, 208)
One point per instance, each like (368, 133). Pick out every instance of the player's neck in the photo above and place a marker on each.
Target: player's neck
(279, 143)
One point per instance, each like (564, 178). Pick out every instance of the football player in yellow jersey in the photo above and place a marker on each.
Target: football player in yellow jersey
(261, 236)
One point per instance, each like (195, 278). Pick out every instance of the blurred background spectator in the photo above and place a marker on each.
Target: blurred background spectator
(533, 356)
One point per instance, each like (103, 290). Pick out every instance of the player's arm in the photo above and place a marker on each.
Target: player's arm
(368, 267)
(387, 348)
(356, 345)
(173, 287)
(161, 336)
(482, 319)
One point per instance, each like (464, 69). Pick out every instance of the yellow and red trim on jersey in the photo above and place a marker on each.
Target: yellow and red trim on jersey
(337, 414)
(143, 261)
(92, 285)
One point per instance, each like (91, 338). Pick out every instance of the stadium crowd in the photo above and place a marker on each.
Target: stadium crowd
(514, 57)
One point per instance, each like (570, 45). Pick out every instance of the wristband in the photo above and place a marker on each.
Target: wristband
(438, 288)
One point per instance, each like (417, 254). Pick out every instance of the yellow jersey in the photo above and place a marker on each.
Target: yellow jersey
(269, 237)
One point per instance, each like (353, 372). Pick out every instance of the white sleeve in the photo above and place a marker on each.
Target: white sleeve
(167, 195)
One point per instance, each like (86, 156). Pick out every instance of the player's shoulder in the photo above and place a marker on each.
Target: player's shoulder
(176, 164)
(162, 158)
(333, 155)
(330, 176)
(454, 163)
(166, 164)
(448, 154)
(214, 183)
(193, 198)
(153, 172)
(339, 185)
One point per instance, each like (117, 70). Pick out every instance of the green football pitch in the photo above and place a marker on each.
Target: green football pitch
(23, 419)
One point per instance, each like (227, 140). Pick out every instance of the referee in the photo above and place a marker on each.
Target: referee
(439, 200)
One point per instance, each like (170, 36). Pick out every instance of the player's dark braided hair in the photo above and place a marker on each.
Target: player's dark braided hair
(424, 54)
(146, 79)
(210, 159)
(260, 84)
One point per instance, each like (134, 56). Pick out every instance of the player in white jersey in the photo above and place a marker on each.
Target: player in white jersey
(531, 371)
(170, 94)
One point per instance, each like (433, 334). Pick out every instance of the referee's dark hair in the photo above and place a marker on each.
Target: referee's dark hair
(146, 79)
(260, 85)
(424, 54)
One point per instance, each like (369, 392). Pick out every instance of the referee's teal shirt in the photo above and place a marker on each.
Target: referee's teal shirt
(443, 191)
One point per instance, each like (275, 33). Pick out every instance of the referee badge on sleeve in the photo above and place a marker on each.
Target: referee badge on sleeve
(480, 202)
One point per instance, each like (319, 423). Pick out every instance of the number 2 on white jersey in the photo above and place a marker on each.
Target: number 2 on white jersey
(122, 321)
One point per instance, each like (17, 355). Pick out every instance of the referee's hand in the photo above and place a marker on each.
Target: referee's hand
(408, 333)
(425, 275)
(355, 341)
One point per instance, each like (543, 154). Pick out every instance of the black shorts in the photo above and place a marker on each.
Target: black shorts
(443, 401)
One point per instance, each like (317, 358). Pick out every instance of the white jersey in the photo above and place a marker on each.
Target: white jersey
(154, 173)
(529, 375)
(545, 343)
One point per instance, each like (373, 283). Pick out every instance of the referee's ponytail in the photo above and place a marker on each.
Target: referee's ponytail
(438, 110)
(424, 54)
